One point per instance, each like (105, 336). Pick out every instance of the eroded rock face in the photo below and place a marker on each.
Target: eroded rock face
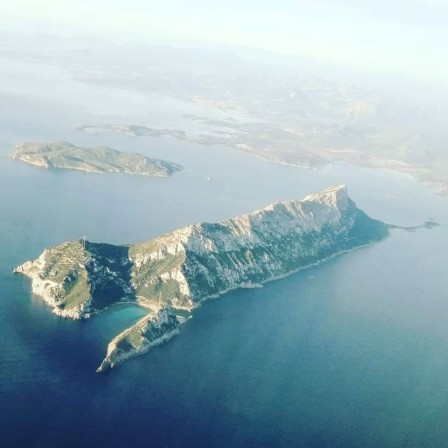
(178, 270)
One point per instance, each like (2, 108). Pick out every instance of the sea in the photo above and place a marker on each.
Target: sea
(350, 353)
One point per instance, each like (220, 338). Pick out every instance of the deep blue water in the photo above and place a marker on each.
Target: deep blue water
(350, 353)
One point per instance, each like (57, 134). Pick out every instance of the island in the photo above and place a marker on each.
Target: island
(133, 130)
(65, 155)
(172, 274)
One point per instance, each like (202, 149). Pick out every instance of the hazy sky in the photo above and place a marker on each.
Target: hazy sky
(407, 37)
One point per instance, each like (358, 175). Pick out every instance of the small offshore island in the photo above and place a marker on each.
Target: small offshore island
(172, 274)
(65, 155)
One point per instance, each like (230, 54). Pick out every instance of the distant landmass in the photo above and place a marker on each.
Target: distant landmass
(133, 130)
(285, 113)
(65, 155)
(172, 274)
(288, 146)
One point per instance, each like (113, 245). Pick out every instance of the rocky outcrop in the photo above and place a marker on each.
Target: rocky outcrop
(178, 270)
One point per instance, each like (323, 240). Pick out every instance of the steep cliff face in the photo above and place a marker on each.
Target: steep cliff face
(284, 237)
(193, 263)
(178, 270)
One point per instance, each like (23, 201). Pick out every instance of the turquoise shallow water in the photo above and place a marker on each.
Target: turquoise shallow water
(350, 353)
